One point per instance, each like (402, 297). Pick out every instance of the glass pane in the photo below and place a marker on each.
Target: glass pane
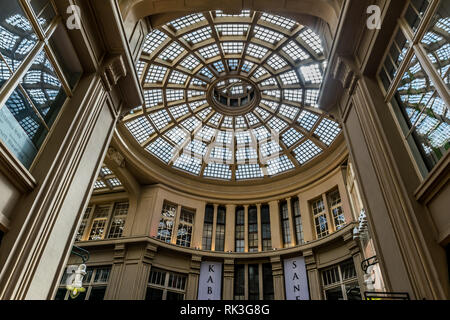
(5, 72)
(253, 282)
(353, 292)
(43, 9)
(66, 55)
(436, 43)
(334, 294)
(414, 13)
(426, 113)
(20, 129)
(153, 294)
(17, 36)
(97, 293)
(239, 279)
(174, 296)
(44, 88)
(268, 282)
(61, 294)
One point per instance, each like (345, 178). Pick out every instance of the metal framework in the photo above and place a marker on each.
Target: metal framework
(182, 126)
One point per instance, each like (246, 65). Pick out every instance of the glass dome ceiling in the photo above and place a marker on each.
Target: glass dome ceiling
(232, 97)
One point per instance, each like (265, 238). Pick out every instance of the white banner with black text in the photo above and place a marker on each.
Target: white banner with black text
(210, 282)
(295, 279)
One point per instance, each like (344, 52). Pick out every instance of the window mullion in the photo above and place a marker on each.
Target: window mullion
(426, 64)
(108, 221)
(33, 19)
(11, 84)
(58, 70)
(176, 223)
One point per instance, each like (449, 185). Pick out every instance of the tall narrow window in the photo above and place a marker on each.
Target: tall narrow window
(265, 228)
(284, 214)
(208, 227)
(334, 202)
(99, 222)
(320, 218)
(239, 282)
(298, 221)
(167, 222)
(252, 229)
(165, 285)
(83, 224)
(220, 229)
(240, 226)
(184, 234)
(253, 282)
(118, 220)
(268, 282)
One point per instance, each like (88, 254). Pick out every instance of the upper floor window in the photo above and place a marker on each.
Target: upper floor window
(240, 230)
(252, 229)
(320, 218)
(165, 285)
(265, 228)
(99, 220)
(220, 229)
(95, 282)
(167, 222)
(103, 220)
(35, 48)
(340, 282)
(419, 95)
(118, 220)
(335, 205)
(185, 226)
(284, 215)
(297, 221)
(208, 227)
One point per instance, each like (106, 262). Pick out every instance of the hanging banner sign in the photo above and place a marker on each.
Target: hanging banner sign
(295, 279)
(210, 282)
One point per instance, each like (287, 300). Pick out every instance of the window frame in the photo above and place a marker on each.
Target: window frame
(14, 83)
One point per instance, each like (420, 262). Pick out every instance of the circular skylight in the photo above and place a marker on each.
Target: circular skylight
(232, 97)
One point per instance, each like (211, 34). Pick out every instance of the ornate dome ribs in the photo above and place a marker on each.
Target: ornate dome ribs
(232, 97)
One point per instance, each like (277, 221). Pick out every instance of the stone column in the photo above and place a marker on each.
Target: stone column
(275, 228)
(228, 279)
(307, 220)
(278, 278)
(229, 227)
(315, 290)
(131, 271)
(258, 209)
(199, 219)
(193, 277)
